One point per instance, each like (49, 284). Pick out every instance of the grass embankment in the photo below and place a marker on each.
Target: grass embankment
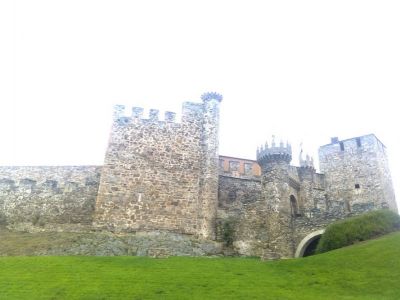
(25, 243)
(357, 229)
(369, 270)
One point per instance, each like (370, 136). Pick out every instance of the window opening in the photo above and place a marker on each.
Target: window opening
(358, 140)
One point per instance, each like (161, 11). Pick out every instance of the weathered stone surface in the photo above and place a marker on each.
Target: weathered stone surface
(156, 244)
(161, 175)
(359, 173)
(235, 193)
(41, 196)
(271, 218)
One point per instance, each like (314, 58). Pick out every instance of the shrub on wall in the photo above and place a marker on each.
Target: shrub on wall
(37, 220)
(228, 231)
(360, 228)
(3, 220)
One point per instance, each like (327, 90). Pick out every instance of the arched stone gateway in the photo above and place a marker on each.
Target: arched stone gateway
(307, 242)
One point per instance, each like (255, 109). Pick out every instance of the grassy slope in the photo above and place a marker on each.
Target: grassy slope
(369, 270)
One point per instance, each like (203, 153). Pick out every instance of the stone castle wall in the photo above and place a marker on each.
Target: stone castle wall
(357, 173)
(235, 193)
(166, 176)
(288, 203)
(237, 199)
(386, 178)
(162, 175)
(48, 195)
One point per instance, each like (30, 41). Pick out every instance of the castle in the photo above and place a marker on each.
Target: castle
(165, 175)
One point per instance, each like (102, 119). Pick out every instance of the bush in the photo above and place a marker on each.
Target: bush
(369, 225)
(228, 232)
(3, 220)
(37, 220)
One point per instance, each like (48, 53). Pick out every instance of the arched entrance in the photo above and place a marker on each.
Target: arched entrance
(308, 244)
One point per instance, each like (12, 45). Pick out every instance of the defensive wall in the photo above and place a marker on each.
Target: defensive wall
(358, 173)
(273, 211)
(166, 176)
(51, 197)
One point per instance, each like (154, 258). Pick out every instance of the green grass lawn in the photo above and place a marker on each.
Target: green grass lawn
(369, 270)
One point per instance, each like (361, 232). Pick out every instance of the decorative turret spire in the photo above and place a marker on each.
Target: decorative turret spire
(305, 163)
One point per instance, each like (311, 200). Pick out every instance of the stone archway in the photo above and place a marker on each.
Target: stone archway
(302, 247)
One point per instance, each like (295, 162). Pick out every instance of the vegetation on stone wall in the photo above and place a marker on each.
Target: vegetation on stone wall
(37, 220)
(359, 228)
(228, 231)
(3, 220)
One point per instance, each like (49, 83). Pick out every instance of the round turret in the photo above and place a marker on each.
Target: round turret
(211, 96)
(274, 153)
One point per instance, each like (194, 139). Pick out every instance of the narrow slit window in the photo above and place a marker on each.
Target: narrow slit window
(358, 142)
(294, 207)
(341, 146)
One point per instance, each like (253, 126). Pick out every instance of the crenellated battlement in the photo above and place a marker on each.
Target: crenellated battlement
(275, 152)
(137, 114)
(191, 112)
(211, 96)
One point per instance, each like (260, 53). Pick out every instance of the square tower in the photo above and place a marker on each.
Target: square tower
(357, 173)
(162, 174)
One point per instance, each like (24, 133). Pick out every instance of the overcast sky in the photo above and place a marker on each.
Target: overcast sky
(303, 70)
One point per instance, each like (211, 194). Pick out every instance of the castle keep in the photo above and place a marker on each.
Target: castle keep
(165, 175)
(162, 175)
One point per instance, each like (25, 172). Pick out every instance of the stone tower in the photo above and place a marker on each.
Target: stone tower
(276, 195)
(162, 175)
(357, 173)
(306, 173)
